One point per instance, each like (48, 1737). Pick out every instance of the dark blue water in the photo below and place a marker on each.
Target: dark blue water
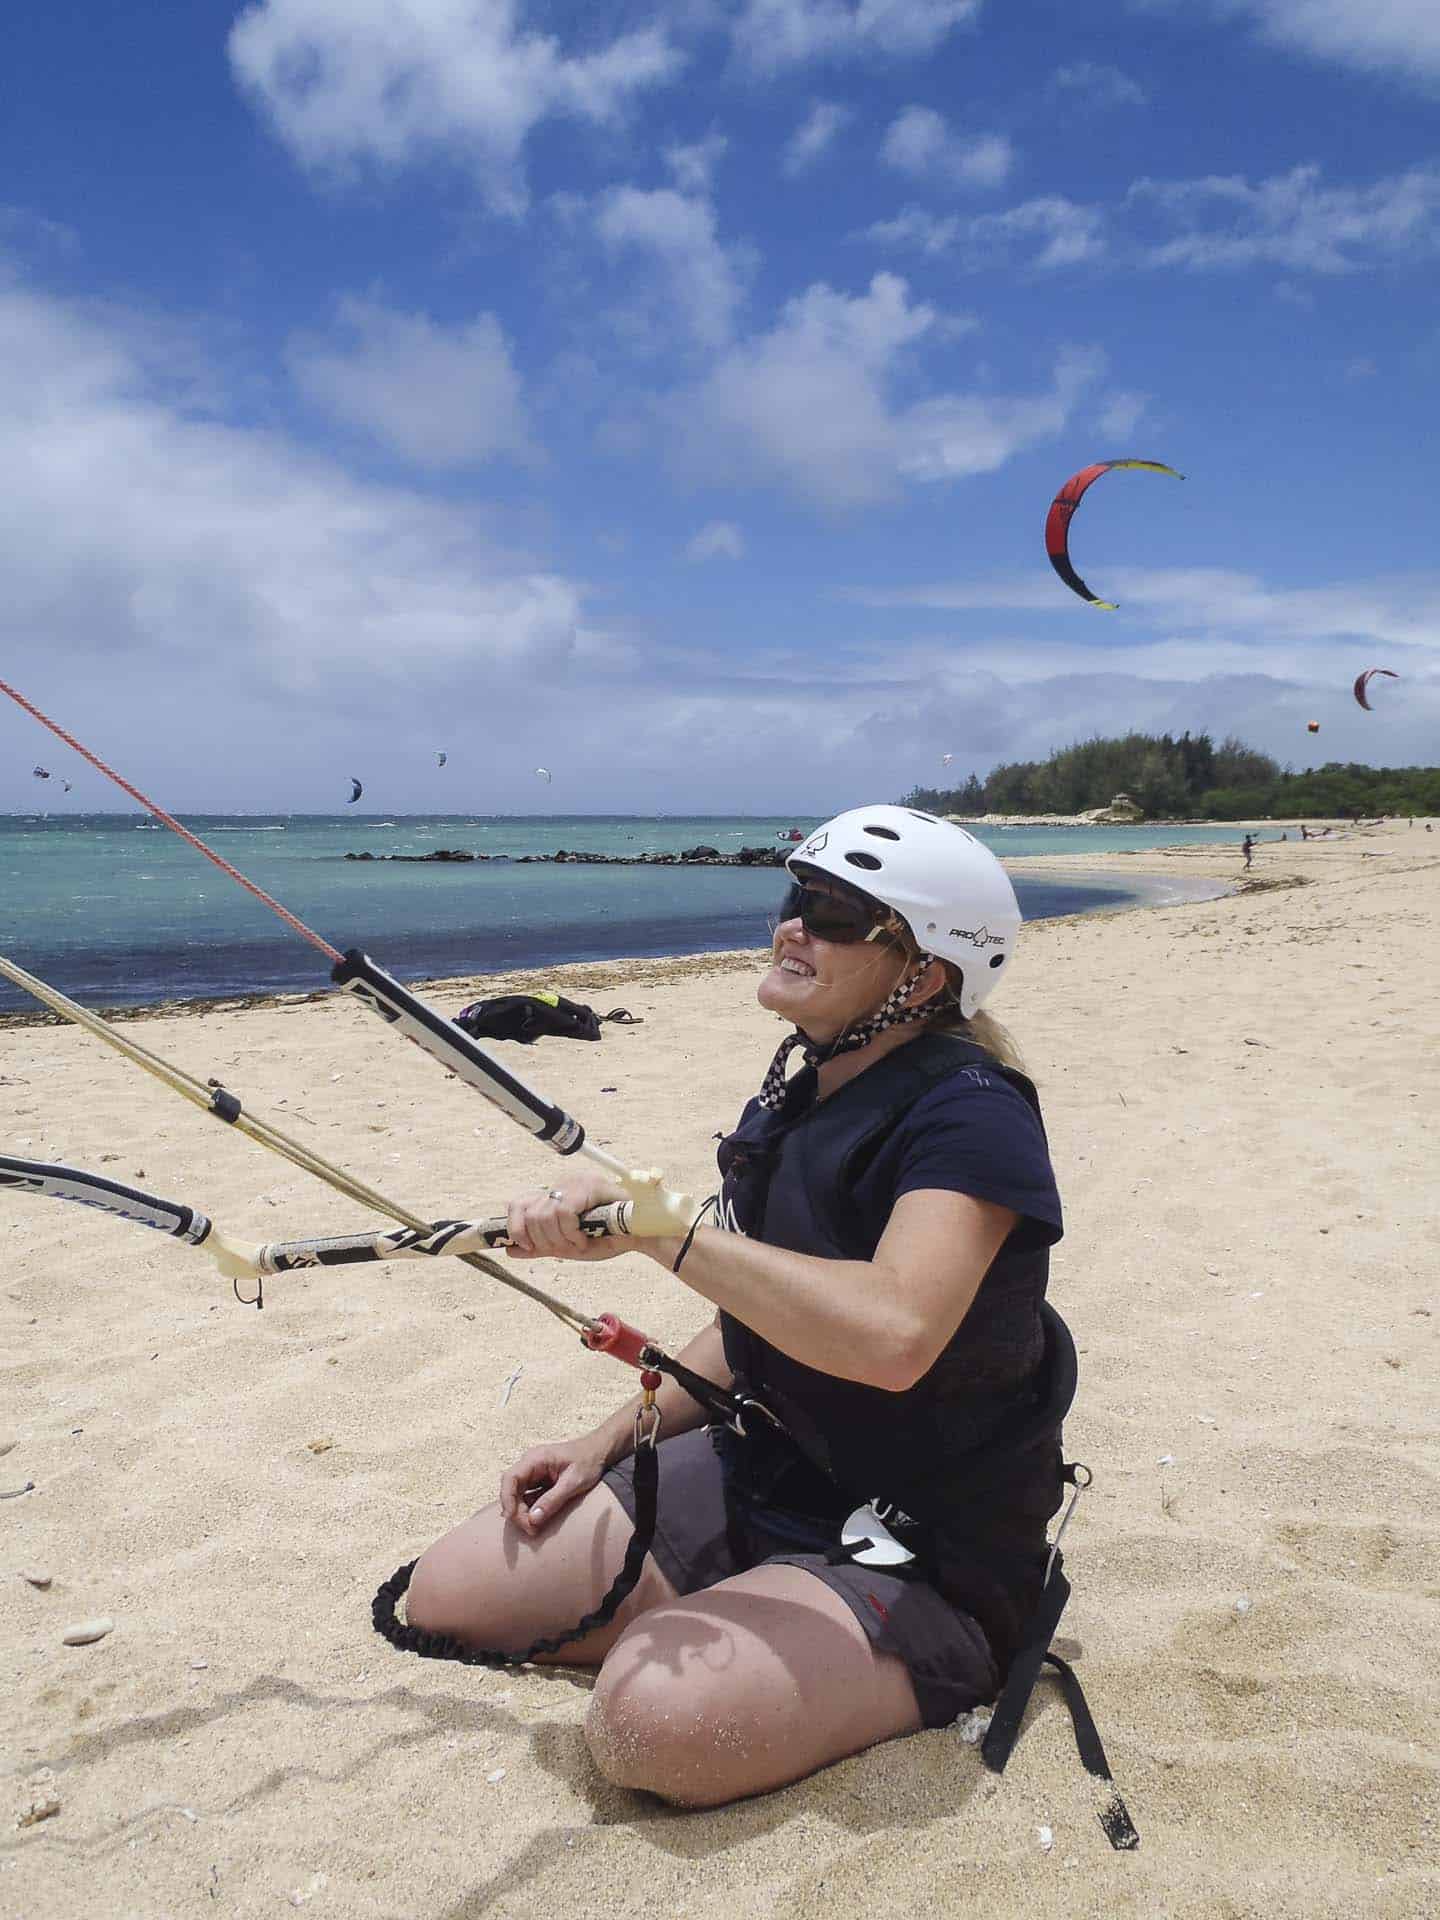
(117, 914)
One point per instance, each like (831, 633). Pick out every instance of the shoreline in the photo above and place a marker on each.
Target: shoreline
(1146, 890)
(1154, 877)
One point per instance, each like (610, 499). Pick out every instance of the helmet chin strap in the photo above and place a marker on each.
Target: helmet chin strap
(892, 1013)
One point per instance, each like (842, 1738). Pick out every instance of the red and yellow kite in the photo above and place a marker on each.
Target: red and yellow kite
(1062, 511)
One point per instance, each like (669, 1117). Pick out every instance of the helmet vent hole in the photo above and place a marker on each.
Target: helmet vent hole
(868, 861)
(883, 833)
(997, 959)
(929, 817)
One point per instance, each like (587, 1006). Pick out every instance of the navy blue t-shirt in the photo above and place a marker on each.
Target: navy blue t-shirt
(825, 1180)
(972, 1133)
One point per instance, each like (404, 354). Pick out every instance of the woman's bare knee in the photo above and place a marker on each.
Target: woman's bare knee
(742, 1689)
(650, 1731)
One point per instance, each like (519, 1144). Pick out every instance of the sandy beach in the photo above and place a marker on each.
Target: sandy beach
(1242, 1095)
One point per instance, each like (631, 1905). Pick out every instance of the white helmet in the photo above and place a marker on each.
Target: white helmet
(950, 890)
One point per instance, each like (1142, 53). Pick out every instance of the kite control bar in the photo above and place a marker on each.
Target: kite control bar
(457, 1052)
(453, 1237)
(243, 1260)
(655, 1210)
(106, 1196)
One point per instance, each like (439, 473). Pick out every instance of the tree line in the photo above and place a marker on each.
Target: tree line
(1190, 778)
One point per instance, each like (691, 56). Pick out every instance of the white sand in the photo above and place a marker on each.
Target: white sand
(1242, 1096)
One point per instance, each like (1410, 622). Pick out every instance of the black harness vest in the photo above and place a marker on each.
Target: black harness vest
(967, 1451)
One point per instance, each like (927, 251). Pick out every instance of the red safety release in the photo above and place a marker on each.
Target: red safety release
(613, 1336)
(652, 1381)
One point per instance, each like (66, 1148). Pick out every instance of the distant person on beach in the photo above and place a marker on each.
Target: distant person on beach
(878, 1264)
(1247, 847)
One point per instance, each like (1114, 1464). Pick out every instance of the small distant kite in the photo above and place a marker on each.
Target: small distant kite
(1362, 683)
(1062, 511)
(40, 773)
(441, 758)
(1312, 726)
(357, 793)
(543, 773)
(946, 758)
(66, 785)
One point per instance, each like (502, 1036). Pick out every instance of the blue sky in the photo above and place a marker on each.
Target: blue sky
(673, 394)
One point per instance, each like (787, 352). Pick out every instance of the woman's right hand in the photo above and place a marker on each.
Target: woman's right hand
(544, 1481)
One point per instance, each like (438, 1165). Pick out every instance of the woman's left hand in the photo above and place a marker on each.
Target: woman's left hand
(545, 1224)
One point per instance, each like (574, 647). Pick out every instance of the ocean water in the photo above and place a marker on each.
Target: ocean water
(117, 911)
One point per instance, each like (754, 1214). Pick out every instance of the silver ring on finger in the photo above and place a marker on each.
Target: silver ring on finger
(557, 1193)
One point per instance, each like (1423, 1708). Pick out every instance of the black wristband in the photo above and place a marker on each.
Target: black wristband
(695, 1225)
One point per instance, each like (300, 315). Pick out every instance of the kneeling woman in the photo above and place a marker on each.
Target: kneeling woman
(879, 1263)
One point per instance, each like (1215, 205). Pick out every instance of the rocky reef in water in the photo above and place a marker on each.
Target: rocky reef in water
(691, 857)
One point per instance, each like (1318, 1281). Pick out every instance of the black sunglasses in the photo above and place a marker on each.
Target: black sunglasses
(835, 917)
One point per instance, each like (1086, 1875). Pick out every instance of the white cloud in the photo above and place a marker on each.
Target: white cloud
(1099, 85)
(1398, 612)
(693, 168)
(437, 396)
(166, 545)
(1393, 36)
(1197, 648)
(704, 279)
(914, 229)
(956, 435)
(1292, 220)
(29, 232)
(1068, 234)
(771, 35)
(393, 83)
(1121, 413)
(811, 404)
(817, 130)
(920, 142)
(717, 539)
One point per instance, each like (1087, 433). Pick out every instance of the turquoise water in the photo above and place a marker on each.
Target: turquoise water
(119, 912)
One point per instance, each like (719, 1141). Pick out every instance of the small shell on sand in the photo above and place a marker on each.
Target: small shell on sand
(12, 1489)
(35, 1577)
(84, 1631)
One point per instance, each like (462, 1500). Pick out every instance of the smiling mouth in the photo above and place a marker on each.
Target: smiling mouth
(797, 968)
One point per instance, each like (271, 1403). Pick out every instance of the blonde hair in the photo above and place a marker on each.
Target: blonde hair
(982, 1028)
(985, 1030)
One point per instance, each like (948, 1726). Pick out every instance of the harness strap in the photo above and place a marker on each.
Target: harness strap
(1004, 1729)
(444, 1646)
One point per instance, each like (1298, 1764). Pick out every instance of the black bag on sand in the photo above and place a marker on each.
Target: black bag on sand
(528, 1017)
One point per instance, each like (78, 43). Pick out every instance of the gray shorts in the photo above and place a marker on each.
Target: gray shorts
(944, 1651)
